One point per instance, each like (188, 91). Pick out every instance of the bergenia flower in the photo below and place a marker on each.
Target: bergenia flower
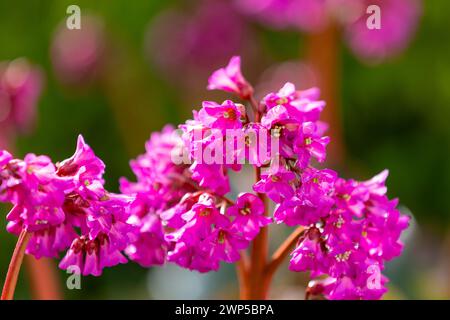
(225, 116)
(276, 184)
(65, 206)
(230, 79)
(21, 85)
(352, 244)
(249, 213)
(399, 19)
(180, 210)
(77, 54)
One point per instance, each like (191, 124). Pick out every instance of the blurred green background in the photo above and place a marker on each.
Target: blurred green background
(394, 115)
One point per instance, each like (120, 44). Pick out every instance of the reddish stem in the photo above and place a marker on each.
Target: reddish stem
(43, 277)
(259, 251)
(323, 55)
(14, 266)
(255, 275)
(242, 273)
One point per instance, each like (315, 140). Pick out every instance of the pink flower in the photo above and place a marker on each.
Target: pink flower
(192, 258)
(150, 248)
(358, 233)
(91, 256)
(306, 15)
(67, 206)
(224, 245)
(36, 192)
(310, 143)
(305, 104)
(77, 54)
(397, 25)
(230, 79)
(225, 116)
(20, 87)
(83, 161)
(308, 255)
(399, 20)
(249, 215)
(313, 199)
(211, 176)
(276, 184)
(199, 220)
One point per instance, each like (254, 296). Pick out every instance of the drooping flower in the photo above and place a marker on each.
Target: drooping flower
(35, 191)
(312, 200)
(150, 248)
(224, 245)
(249, 213)
(230, 79)
(353, 240)
(276, 184)
(90, 256)
(66, 206)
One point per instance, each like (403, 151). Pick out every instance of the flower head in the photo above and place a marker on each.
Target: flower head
(230, 79)
(249, 213)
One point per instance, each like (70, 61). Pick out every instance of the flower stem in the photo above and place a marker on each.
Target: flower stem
(43, 277)
(242, 273)
(258, 258)
(322, 53)
(14, 266)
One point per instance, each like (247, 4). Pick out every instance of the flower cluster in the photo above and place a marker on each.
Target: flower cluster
(352, 228)
(398, 21)
(186, 220)
(65, 206)
(184, 216)
(178, 210)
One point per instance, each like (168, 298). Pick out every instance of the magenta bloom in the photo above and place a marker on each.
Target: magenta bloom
(249, 213)
(310, 143)
(77, 54)
(308, 254)
(276, 184)
(82, 163)
(36, 192)
(224, 245)
(150, 248)
(230, 79)
(360, 231)
(225, 116)
(306, 15)
(301, 105)
(293, 117)
(190, 42)
(312, 201)
(206, 238)
(67, 206)
(179, 209)
(91, 256)
(211, 177)
(399, 20)
(20, 88)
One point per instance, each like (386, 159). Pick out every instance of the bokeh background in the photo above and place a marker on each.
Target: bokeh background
(137, 65)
